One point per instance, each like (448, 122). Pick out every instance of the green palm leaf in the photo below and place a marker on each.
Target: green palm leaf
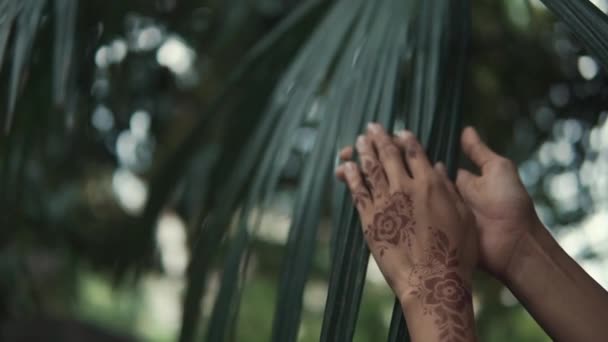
(388, 32)
(347, 77)
(23, 18)
(587, 22)
(8, 9)
(27, 25)
(253, 158)
(65, 27)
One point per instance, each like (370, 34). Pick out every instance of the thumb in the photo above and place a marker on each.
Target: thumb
(465, 182)
(475, 149)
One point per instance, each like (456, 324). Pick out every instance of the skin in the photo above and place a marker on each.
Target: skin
(418, 229)
(489, 216)
(503, 209)
(518, 249)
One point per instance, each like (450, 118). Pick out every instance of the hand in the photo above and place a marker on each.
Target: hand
(418, 229)
(503, 209)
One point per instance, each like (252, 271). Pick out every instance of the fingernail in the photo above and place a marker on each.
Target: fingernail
(472, 130)
(404, 134)
(361, 139)
(339, 173)
(373, 127)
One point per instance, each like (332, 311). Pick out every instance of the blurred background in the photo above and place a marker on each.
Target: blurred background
(165, 166)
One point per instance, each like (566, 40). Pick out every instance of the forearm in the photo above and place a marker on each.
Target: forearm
(559, 294)
(438, 321)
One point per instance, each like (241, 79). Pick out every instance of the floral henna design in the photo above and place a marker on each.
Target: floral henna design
(372, 174)
(441, 289)
(411, 152)
(373, 169)
(361, 199)
(393, 224)
(368, 183)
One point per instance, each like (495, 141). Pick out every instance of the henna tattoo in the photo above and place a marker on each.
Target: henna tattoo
(412, 153)
(368, 183)
(441, 289)
(393, 224)
(373, 175)
(361, 199)
(373, 169)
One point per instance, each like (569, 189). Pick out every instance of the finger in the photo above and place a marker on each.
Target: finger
(445, 179)
(346, 153)
(443, 174)
(340, 173)
(465, 182)
(402, 150)
(475, 149)
(372, 170)
(361, 196)
(414, 154)
(441, 169)
(388, 154)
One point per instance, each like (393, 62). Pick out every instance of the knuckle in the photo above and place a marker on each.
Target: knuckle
(390, 149)
(405, 189)
(412, 148)
(352, 180)
(424, 183)
(476, 148)
(427, 183)
(368, 165)
(411, 140)
(505, 163)
(434, 181)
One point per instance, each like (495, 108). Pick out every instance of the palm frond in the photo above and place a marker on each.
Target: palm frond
(22, 18)
(381, 59)
(292, 112)
(27, 24)
(9, 11)
(252, 159)
(346, 78)
(65, 26)
(587, 22)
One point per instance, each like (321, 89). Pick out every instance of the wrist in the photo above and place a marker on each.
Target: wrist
(441, 308)
(533, 245)
(407, 299)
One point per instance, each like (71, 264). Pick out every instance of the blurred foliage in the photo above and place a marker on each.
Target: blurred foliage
(143, 129)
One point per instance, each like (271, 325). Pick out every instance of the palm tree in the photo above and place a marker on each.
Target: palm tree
(341, 63)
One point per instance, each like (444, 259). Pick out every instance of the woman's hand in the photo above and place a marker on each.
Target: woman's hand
(418, 229)
(503, 209)
(516, 247)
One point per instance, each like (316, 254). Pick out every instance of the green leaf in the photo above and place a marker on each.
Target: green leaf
(8, 8)
(254, 158)
(587, 22)
(27, 25)
(65, 25)
(385, 42)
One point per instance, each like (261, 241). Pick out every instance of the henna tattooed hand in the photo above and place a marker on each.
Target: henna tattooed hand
(503, 209)
(418, 229)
